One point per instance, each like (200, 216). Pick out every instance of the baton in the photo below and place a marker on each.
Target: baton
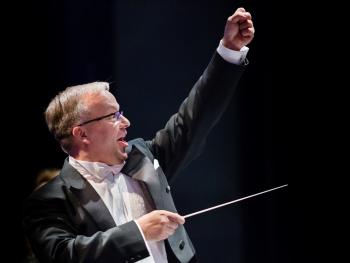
(234, 201)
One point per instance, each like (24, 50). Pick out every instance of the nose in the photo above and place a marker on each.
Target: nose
(124, 122)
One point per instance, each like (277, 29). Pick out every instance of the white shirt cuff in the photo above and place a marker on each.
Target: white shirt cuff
(232, 56)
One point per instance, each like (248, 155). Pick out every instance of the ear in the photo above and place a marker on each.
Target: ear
(79, 133)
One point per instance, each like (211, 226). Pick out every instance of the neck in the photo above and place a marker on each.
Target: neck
(84, 156)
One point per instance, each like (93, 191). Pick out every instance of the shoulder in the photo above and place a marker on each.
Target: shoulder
(52, 189)
(47, 198)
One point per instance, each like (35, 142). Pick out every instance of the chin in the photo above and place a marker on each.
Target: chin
(123, 156)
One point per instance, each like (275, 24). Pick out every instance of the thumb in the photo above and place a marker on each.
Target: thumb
(175, 217)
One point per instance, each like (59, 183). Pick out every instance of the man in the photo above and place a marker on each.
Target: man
(111, 201)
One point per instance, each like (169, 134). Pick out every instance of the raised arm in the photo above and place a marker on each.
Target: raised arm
(185, 133)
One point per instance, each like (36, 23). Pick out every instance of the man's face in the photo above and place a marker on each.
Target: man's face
(105, 138)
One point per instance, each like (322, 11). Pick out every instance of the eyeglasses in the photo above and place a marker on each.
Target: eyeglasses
(116, 115)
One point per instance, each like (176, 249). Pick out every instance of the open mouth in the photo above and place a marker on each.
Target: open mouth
(122, 142)
(121, 139)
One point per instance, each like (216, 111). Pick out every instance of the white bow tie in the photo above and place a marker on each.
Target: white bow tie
(101, 171)
(98, 171)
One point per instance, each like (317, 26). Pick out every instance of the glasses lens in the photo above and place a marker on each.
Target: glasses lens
(119, 114)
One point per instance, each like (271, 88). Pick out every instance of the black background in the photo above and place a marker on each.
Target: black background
(153, 52)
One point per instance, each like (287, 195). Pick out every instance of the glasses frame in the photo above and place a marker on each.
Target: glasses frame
(117, 115)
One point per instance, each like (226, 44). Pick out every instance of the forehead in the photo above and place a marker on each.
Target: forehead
(101, 100)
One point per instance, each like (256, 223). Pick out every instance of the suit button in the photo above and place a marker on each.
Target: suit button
(181, 244)
(167, 189)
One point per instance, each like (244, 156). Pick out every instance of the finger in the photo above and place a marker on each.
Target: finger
(172, 225)
(163, 219)
(247, 32)
(174, 217)
(169, 232)
(246, 24)
(240, 16)
(237, 18)
(247, 15)
(241, 9)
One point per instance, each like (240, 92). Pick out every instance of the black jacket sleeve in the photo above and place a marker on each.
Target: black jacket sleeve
(184, 135)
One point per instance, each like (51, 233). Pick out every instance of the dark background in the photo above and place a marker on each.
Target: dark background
(153, 52)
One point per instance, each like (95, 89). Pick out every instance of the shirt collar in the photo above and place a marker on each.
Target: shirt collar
(96, 171)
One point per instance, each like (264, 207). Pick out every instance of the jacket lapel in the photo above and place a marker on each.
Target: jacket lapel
(139, 167)
(87, 197)
(134, 161)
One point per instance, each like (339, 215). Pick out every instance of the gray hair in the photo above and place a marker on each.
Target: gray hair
(67, 108)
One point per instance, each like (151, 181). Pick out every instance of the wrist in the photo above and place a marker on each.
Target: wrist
(230, 45)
